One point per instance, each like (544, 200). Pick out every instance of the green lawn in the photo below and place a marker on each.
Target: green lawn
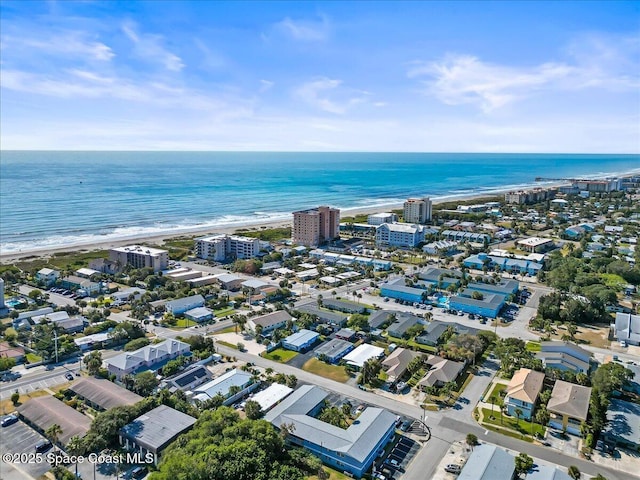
(412, 344)
(231, 329)
(533, 346)
(333, 372)
(224, 312)
(333, 474)
(184, 323)
(33, 358)
(280, 355)
(495, 393)
(523, 426)
(227, 344)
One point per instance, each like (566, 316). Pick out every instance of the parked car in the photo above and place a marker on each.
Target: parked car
(9, 420)
(406, 425)
(68, 376)
(138, 472)
(453, 468)
(43, 446)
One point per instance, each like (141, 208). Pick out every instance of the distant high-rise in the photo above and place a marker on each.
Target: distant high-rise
(417, 210)
(1, 294)
(315, 226)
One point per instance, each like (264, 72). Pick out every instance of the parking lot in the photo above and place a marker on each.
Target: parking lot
(397, 457)
(20, 438)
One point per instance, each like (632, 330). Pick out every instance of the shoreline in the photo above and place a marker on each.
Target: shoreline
(160, 238)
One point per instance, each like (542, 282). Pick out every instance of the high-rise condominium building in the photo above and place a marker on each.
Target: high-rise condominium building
(222, 247)
(417, 210)
(139, 256)
(315, 226)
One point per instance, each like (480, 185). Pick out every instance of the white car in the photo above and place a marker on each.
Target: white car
(623, 343)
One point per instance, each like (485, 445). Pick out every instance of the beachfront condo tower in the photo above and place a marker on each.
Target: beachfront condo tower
(139, 256)
(315, 226)
(417, 210)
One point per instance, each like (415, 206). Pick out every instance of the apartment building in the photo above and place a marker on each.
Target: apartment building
(402, 235)
(417, 210)
(315, 226)
(222, 247)
(139, 256)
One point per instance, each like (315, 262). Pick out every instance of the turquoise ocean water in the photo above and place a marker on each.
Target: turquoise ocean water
(55, 199)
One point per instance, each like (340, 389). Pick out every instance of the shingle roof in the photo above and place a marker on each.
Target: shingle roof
(378, 318)
(442, 371)
(570, 399)
(525, 385)
(157, 428)
(331, 317)
(104, 393)
(357, 441)
(128, 360)
(45, 411)
(271, 319)
(398, 361)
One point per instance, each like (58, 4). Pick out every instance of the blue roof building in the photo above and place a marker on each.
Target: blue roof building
(300, 340)
(350, 450)
(504, 287)
(488, 306)
(512, 265)
(400, 291)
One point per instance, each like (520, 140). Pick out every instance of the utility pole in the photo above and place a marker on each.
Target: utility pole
(55, 338)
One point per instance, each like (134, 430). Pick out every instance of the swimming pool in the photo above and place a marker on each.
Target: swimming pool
(14, 301)
(442, 301)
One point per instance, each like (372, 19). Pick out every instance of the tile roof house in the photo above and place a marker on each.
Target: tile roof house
(7, 351)
(568, 406)
(150, 357)
(522, 392)
(350, 450)
(396, 363)
(441, 371)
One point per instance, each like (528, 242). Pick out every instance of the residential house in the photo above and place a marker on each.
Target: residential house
(332, 318)
(397, 362)
(627, 328)
(351, 450)
(345, 334)
(434, 331)
(73, 282)
(378, 318)
(441, 371)
(522, 392)
(402, 324)
(155, 430)
(150, 357)
(301, 340)
(199, 314)
(565, 356)
(47, 276)
(488, 462)
(568, 406)
(188, 379)
(270, 322)
(9, 351)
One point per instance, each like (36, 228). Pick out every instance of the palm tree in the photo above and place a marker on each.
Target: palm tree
(518, 413)
(574, 472)
(53, 433)
(75, 447)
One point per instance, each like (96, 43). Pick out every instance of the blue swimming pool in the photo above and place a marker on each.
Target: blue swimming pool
(442, 301)
(14, 301)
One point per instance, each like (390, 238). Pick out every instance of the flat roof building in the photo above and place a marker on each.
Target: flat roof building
(380, 218)
(223, 386)
(535, 244)
(221, 247)
(271, 396)
(181, 305)
(334, 350)
(315, 226)
(417, 210)
(139, 256)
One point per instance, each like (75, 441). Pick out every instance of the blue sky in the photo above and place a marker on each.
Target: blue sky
(365, 76)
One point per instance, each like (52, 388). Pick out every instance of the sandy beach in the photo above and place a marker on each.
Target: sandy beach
(159, 240)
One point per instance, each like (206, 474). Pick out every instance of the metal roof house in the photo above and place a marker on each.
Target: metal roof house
(146, 358)
(628, 328)
(42, 412)
(153, 431)
(350, 450)
(300, 340)
(182, 305)
(224, 385)
(488, 462)
(362, 353)
(565, 356)
(103, 394)
(334, 349)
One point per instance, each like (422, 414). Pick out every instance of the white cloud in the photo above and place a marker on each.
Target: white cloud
(305, 30)
(328, 95)
(266, 85)
(464, 79)
(150, 47)
(595, 62)
(74, 44)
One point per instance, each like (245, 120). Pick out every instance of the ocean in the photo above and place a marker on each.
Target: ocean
(57, 199)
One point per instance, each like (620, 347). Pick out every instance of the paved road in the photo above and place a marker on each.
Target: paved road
(59, 300)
